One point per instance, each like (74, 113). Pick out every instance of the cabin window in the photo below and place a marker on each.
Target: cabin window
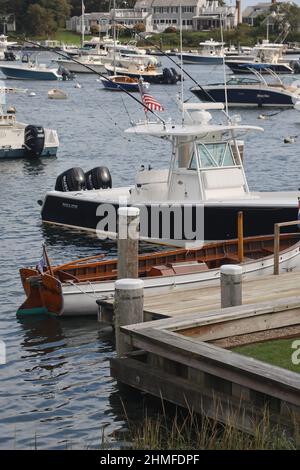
(213, 155)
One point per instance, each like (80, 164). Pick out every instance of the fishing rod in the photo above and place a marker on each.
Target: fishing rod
(65, 56)
(174, 62)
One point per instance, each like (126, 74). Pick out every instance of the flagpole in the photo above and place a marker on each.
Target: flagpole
(47, 259)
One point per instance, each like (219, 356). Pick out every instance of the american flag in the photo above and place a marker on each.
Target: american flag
(151, 103)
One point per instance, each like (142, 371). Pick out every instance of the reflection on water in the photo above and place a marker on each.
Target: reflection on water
(56, 390)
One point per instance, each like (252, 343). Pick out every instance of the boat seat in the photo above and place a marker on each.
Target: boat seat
(224, 182)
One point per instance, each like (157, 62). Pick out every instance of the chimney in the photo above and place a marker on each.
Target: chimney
(273, 2)
(238, 10)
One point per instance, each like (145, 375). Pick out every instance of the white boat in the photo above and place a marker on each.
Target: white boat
(210, 53)
(56, 94)
(30, 69)
(195, 199)
(83, 64)
(19, 140)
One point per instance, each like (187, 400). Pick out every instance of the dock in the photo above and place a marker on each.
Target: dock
(182, 352)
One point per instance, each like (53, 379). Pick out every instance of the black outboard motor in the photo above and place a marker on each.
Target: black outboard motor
(295, 64)
(71, 180)
(177, 76)
(66, 74)
(98, 178)
(34, 140)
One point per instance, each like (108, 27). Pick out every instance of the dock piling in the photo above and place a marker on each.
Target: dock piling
(128, 309)
(231, 285)
(128, 242)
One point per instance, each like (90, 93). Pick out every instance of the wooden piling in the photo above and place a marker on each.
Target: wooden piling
(241, 236)
(128, 242)
(128, 309)
(231, 285)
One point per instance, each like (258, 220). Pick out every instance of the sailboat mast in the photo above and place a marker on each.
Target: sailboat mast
(114, 32)
(82, 22)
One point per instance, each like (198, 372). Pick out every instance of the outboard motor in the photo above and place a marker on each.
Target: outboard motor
(167, 76)
(66, 74)
(71, 180)
(295, 64)
(98, 178)
(177, 76)
(34, 140)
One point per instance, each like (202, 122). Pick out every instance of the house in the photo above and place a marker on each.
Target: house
(251, 13)
(211, 14)
(7, 23)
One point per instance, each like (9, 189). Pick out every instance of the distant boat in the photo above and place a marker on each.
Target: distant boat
(211, 52)
(56, 94)
(247, 91)
(122, 82)
(83, 64)
(30, 69)
(150, 74)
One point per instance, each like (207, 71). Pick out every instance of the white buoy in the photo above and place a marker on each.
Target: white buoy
(262, 116)
(77, 85)
(289, 140)
(31, 94)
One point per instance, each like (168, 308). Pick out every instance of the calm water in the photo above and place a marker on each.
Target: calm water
(55, 390)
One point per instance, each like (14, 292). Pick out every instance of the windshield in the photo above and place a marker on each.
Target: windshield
(213, 155)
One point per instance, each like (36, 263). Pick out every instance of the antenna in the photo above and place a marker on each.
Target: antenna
(224, 65)
(181, 63)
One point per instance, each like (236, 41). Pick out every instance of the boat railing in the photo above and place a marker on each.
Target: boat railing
(277, 228)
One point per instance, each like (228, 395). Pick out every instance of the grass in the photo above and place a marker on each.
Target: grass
(277, 352)
(188, 431)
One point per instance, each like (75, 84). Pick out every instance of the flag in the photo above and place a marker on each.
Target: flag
(42, 263)
(151, 103)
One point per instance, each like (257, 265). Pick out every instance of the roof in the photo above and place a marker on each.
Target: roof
(143, 4)
(256, 10)
(175, 3)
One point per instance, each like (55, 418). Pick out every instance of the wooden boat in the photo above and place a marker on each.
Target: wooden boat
(56, 94)
(122, 82)
(72, 289)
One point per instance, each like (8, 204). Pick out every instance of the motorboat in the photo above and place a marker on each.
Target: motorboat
(82, 64)
(56, 94)
(247, 91)
(195, 200)
(19, 140)
(267, 56)
(30, 69)
(121, 83)
(210, 53)
(72, 289)
(149, 73)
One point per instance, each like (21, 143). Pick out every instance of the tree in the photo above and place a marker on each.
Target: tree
(40, 21)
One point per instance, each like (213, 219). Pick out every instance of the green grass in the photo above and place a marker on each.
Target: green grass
(67, 37)
(277, 352)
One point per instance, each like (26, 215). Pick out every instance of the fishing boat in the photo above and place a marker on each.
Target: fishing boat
(267, 57)
(82, 64)
(121, 83)
(210, 53)
(19, 140)
(149, 73)
(30, 69)
(73, 288)
(195, 199)
(247, 91)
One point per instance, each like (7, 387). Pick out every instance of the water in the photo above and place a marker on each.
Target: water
(56, 390)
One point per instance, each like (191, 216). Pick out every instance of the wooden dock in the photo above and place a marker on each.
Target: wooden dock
(184, 355)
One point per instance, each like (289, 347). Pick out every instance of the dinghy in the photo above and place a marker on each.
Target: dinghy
(72, 289)
(56, 94)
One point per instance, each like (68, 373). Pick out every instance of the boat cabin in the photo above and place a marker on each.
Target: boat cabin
(206, 162)
(211, 47)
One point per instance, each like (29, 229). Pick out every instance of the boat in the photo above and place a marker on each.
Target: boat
(56, 94)
(149, 73)
(120, 83)
(82, 64)
(210, 53)
(194, 200)
(247, 91)
(72, 289)
(267, 57)
(19, 140)
(30, 69)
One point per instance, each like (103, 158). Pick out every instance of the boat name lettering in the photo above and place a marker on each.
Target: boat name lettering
(69, 206)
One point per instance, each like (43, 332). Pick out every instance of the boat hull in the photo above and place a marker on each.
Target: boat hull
(14, 153)
(238, 96)
(114, 86)
(75, 67)
(201, 60)
(243, 67)
(219, 221)
(28, 74)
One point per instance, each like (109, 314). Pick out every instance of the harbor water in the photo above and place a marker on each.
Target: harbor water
(55, 389)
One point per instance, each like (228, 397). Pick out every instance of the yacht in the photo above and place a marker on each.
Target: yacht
(250, 92)
(196, 199)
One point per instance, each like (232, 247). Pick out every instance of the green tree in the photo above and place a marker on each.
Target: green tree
(39, 20)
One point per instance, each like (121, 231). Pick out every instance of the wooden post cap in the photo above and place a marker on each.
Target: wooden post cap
(231, 269)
